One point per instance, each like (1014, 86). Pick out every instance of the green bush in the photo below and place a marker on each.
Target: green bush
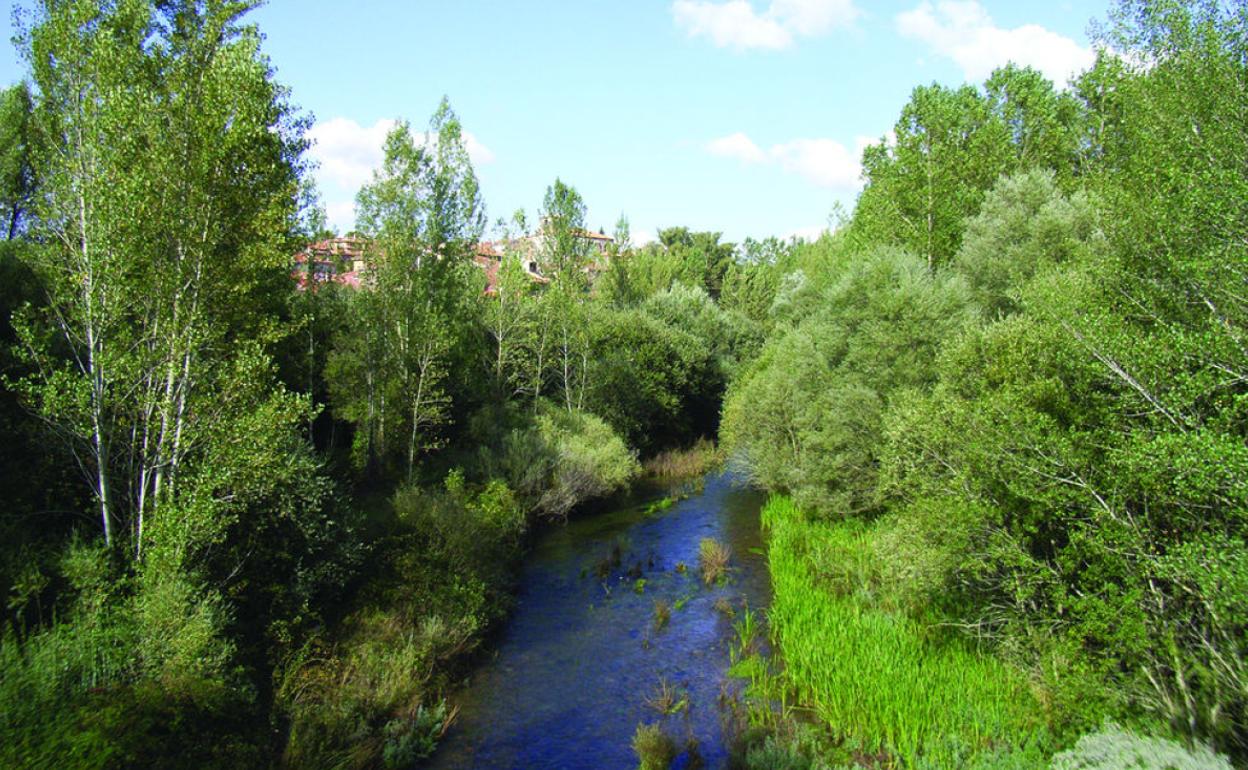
(1112, 748)
(809, 413)
(559, 460)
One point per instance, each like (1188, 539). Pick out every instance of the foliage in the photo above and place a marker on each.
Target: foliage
(1112, 747)
(390, 366)
(713, 559)
(808, 412)
(871, 674)
(655, 749)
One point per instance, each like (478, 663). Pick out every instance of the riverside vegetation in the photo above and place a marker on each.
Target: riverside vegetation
(1001, 408)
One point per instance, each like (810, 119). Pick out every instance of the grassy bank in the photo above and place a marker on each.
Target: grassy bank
(885, 685)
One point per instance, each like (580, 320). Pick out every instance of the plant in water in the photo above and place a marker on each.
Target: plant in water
(662, 614)
(747, 631)
(681, 567)
(713, 559)
(659, 506)
(655, 749)
(724, 607)
(639, 587)
(668, 698)
(681, 602)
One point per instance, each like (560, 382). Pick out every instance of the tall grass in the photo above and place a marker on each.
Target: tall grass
(684, 463)
(873, 675)
(713, 559)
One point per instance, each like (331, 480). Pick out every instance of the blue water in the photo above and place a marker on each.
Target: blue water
(579, 657)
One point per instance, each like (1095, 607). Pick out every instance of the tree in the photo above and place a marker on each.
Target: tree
(17, 177)
(566, 253)
(422, 215)
(167, 163)
(563, 250)
(919, 188)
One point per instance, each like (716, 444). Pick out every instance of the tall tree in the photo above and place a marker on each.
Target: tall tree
(168, 165)
(423, 216)
(17, 175)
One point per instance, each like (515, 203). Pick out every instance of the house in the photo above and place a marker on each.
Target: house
(341, 260)
(337, 260)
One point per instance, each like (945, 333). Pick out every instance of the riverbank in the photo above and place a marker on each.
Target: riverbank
(884, 689)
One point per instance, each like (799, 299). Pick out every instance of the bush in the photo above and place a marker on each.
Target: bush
(655, 749)
(809, 413)
(1112, 748)
(560, 460)
(713, 559)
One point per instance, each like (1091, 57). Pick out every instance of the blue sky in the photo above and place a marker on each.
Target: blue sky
(741, 116)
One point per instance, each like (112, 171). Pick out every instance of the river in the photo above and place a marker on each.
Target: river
(580, 656)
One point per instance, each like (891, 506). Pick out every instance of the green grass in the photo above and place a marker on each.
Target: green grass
(874, 676)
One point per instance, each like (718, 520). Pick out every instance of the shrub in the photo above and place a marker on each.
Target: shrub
(655, 749)
(713, 559)
(1112, 748)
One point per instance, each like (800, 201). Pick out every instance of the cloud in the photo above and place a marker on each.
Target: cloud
(824, 162)
(347, 154)
(737, 146)
(964, 32)
(736, 24)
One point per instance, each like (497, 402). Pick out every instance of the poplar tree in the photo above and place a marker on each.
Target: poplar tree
(423, 215)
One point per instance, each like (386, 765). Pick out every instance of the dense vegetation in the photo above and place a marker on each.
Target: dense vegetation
(1005, 404)
(249, 524)
(1001, 409)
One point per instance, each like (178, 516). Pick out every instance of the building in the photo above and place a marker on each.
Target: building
(336, 260)
(341, 260)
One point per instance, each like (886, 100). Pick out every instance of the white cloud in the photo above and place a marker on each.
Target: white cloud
(641, 238)
(340, 214)
(347, 154)
(736, 24)
(964, 32)
(824, 162)
(346, 151)
(737, 146)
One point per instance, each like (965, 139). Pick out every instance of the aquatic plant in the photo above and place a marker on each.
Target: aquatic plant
(639, 586)
(713, 559)
(684, 463)
(724, 607)
(659, 506)
(655, 749)
(668, 698)
(747, 629)
(662, 614)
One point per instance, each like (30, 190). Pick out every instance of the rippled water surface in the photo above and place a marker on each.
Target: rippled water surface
(577, 660)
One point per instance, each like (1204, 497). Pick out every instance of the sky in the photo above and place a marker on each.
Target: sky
(746, 117)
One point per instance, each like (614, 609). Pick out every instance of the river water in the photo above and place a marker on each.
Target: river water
(580, 656)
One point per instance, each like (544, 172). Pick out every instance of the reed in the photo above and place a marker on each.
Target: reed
(713, 559)
(877, 677)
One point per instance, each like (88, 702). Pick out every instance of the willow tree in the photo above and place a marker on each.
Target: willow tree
(422, 214)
